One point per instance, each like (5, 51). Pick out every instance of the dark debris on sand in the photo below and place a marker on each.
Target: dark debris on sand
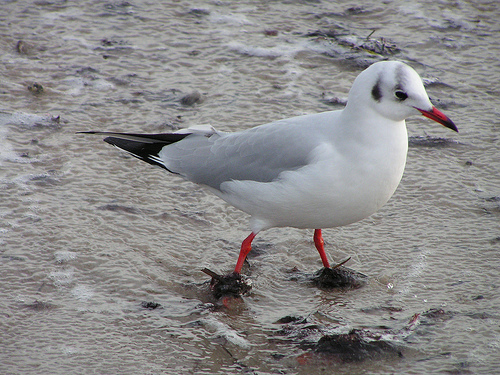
(431, 142)
(150, 305)
(338, 277)
(320, 343)
(191, 99)
(355, 346)
(236, 285)
(324, 343)
(369, 46)
(39, 306)
(230, 285)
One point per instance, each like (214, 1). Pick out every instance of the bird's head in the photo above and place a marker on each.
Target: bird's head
(395, 91)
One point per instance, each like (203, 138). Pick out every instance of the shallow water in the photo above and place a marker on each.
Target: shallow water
(87, 234)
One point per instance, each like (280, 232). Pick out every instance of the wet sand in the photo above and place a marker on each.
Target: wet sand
(101, 255)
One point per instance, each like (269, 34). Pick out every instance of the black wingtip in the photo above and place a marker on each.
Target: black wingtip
(143, 146)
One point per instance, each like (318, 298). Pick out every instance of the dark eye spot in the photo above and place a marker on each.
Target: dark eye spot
(376, 92)
(401, 95)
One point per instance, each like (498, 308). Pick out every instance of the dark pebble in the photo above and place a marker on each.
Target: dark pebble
(35, 88)
(118, 208)
(191, 99)
(150, 305)
(353, 347)
(277, 356)
(22, 47)
(355, 10)
(197, 12)
(339, 277)
(438, 314)
(270, 32)
(290, 319)
(39, 306)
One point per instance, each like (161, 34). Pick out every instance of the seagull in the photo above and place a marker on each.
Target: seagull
(314, 171)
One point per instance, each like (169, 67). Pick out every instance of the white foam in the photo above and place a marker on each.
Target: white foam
(82, 292)
(69, 350)
(443, 20)
(6, 151)
(62, 277)
(226, 332)
(64, 256)
(78, 85)
(230, 19)
(272, 52)
(286, 48)
(414, 273)
(27, 120)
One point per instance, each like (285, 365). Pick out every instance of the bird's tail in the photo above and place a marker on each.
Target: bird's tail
(142, 146)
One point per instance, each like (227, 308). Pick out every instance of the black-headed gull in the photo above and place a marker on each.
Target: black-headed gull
(315, 171)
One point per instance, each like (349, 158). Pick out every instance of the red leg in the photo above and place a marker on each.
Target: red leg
(318, 241)
(246, 246)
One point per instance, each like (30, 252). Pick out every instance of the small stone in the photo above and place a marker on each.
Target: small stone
(270, 32)
(22, 47)
(339, 277)
(35, 88)
(150, 305)
(191, 99)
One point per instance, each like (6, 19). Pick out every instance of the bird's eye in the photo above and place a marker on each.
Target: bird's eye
(401, 95)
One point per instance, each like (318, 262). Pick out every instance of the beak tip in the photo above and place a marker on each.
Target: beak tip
(438, 116)
(448, 123)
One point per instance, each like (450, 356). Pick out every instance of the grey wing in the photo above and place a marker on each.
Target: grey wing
(259, 154)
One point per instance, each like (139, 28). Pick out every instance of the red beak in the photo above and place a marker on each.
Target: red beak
(438, 116)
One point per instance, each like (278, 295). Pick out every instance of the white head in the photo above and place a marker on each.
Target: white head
(395, 91)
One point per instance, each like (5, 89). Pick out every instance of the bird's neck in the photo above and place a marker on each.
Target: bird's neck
(374, 138)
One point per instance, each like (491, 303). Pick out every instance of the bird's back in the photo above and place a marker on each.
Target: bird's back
(258, 154)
